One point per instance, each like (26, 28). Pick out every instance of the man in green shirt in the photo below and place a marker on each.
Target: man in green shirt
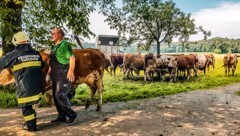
(62, 64)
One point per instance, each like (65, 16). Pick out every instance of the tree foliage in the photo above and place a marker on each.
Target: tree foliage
(10, 21)
(37, 17)
(40, 16)
(217, 45)
(145, 22)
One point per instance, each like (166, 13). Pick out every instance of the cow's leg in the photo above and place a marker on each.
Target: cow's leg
(89, 99)
(207, 67)
(100, 91)
(188, 73)
(145, 76)
(108, 70)
(225, 70)
(127, 73)
(174, 74)
(138, 73)
(151, 75)
(233, 70)
(228, 71)
(111, 69)
(114, 70)
(195, 72)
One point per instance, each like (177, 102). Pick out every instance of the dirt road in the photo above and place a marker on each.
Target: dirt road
(197, 113)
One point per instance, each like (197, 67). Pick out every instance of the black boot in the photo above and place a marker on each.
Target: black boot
(71, 120)
(31, 126)
(72, 117)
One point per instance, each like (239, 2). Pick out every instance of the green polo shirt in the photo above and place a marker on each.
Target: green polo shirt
(64, 52)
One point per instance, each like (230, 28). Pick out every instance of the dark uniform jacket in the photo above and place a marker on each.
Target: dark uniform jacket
(26, 64)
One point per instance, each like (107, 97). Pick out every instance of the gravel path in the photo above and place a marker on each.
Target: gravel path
(195, 113)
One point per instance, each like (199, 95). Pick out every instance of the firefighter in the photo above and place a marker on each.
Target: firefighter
(26, 64)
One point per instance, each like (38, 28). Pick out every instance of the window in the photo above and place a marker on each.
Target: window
(110, 42)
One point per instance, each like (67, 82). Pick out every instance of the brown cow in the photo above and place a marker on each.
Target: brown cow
(230, 62)
(132, 62)
(185, 62)
(116, 60)
(107, 65)
(89, 69)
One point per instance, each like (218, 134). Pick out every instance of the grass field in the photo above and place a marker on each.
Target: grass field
(117, 89)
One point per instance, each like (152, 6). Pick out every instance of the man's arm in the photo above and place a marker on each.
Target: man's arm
(70, 74)
(6, 60)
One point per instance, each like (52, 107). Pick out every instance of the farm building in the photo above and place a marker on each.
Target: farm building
(107, 44)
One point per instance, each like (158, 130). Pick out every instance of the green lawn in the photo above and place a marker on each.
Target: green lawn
(117, 89)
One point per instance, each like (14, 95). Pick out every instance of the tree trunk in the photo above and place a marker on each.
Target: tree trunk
(158, 48)
(12, 23)
(78, 41)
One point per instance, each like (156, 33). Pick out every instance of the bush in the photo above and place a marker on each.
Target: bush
(8, 100)
(218, 51)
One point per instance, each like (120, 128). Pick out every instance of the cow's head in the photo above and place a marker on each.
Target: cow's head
(173, 62)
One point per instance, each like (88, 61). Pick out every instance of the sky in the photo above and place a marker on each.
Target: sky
(221, 17)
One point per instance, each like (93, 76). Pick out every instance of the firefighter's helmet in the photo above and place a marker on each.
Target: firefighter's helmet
(20, 38)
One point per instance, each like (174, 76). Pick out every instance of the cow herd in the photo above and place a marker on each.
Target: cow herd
(167, 66)
(90, 64)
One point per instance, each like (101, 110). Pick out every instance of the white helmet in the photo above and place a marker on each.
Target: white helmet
(20, 38)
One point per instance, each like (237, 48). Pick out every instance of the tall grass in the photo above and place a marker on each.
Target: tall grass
(117, 89)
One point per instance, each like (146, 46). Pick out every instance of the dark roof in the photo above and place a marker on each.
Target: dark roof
(111, 36)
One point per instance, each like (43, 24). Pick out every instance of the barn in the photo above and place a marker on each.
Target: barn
(107, 44)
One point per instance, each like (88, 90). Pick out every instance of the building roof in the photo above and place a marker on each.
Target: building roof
(112, 36)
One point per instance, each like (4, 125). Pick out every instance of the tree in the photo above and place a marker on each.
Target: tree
(145, 22)
(10, 21)
(37, 17)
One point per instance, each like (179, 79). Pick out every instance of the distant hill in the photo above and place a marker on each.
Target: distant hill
(217, 45)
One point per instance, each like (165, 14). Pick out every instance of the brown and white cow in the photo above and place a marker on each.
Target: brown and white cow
(230, 62)
(150, 70)
(202, 62)
(164, 66)
(149, 66)
(210, 61)
(89, 69)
